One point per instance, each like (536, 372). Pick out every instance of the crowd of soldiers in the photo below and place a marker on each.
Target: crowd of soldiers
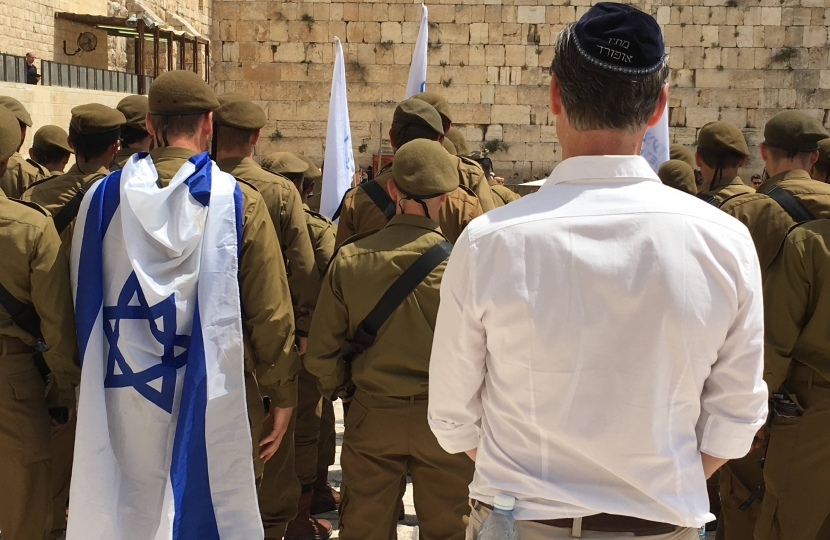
(338, 276)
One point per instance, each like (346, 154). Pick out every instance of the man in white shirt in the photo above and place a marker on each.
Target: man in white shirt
(598, 349)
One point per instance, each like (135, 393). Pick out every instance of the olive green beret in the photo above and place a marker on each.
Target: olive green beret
(95, 118)
(9, 134)
(449, 146)
(794, 131)
(135, 109)
(722, 137)
(437, 101)
(17, 109)
(422, 168)
(181, 92)
(824, 152)
(284, 163)
(678, 151)
(418, 112)
(52, 139)
(454, 134)
(679, 175)
(313, 174)
(237, 111)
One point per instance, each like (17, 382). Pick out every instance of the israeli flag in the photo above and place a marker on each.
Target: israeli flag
(163, 447)
(339, 167)
(656, 142)
(417, 82)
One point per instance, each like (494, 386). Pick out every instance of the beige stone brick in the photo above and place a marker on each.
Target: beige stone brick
(691, 36)
(824, 79)
(494, 55)
(774, 36)
(682, 78)
(506, 95)
(509, 14)
(734, 16)
(673, 35)
(712, 58)
(552, 15)
(510, 114)
(290, 53)
(488, 94)
(477, 14)
(390, 32)
(710, 35)
(492, 14)
(409, 31)
(699, 117)
(815, 36)
(802, 17)
(531, 14)
(693, 58)
(514, 34)
(477, 56)
(771, 16)
(479, 32)
(514, 55)
(794, 36)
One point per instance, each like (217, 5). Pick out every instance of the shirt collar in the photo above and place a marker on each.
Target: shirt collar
(414, 221)
(601, 169)
(171, 152)
(795, 174)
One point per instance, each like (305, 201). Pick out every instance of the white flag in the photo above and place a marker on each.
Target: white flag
(163, 448)
(338, 169)
(417, 82)
(656, 142)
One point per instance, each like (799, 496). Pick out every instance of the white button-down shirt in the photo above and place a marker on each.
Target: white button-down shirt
(592, 339)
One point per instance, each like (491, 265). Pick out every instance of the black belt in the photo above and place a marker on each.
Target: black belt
(610, 523)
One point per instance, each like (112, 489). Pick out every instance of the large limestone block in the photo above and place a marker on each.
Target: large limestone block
(510, 114)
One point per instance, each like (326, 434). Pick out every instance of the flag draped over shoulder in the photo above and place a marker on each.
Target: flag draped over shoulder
(656, 142)
(163, 447)
(339, 167)
(417, 82)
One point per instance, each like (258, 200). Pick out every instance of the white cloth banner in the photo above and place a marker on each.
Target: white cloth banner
(417, 82)
(163, 447)
(339, 167)
(655, 147)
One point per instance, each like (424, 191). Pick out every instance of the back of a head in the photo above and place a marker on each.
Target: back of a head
(415, 119)
(441, 105)
(286, 164)
(313, 173)
(610, 67)
(823, 164)
(50, 145)
(93, 129)
(721, 145)
(458, 140)
(17, 109)
(178, 102)
(794, 136)
(135, 109)
(678, 151)
(9, 135)
(423, 169)
(237, 118)
(677, 174)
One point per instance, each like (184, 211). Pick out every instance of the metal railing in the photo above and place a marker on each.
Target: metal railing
(13, 68)
(57, 74)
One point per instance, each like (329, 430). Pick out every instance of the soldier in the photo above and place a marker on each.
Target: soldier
(789, 196)
(386, 429)
(368, 208)
(93, 134)
(678, 151)
(134, 136)
(797, 370)
(314, 431)
(50, 151)
(501, 195)
(19, 174)
(472, 178)
(34, 285)
(677, 174)
(721, 151)
(821, 168)
(238, 123)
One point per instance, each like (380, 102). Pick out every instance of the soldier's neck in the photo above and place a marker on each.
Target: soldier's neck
(101, 162)
(222, 154)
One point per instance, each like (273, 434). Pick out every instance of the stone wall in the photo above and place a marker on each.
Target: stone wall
(736, 60)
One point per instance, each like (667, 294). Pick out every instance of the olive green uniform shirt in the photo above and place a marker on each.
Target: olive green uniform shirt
(53, 193)
(503, 195)
(286, 210)
(397, 364)
(35, 271)
(797, 304)
(267, 315)
(471, 175)
(322, 231)
(767, 222)
(359, 214)
(728, 187)
(20, 174)
(122, 157)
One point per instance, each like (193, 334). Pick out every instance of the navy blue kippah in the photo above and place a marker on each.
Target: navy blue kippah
(620, 38)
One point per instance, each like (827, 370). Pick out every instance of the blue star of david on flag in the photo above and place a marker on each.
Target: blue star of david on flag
(161, 318)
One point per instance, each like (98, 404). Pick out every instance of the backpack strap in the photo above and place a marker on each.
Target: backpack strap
(394, 296)
(69, 212)
(24, 316)
(381, 199)
(708, 198)
(790, 204)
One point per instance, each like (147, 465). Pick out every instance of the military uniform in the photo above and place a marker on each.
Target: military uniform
(52, 139)
(34, 271)
(677, 174)
(19, 174)
(134, 109)
(387, 434)
(503, 194)
(722, 139)
(797, 365)
(122, 157)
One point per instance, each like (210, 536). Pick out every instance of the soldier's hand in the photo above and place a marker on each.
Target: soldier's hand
(270, 443)
(760, 438)
(302, 343)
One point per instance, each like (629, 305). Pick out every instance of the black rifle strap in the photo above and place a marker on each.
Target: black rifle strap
(69, 211)
(790, 204)
(22, 314)
(404, 285)
(708, 198)
(380, 198)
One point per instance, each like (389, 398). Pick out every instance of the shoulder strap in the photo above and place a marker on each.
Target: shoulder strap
(380, 198)
(69, 211)
(394, 296)
(708, 198)
(790, 204)
(23, 315)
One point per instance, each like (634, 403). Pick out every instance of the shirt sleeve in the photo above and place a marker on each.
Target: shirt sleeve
(786, 294)
(267, 313)
(300, 255)
(329, 331)
(734, 397)
(52, 299)
(345, 226)
(457, 363)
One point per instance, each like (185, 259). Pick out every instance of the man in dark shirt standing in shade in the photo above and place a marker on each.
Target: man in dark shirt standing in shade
(32, 76)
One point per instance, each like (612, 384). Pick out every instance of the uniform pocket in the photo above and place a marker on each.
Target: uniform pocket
(31, 415)
(357, 413)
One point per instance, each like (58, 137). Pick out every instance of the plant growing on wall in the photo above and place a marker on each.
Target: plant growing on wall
(495, 145)
(784, 55)
(447, 82)
(362, 148)
(308, 20)
(276, 135)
